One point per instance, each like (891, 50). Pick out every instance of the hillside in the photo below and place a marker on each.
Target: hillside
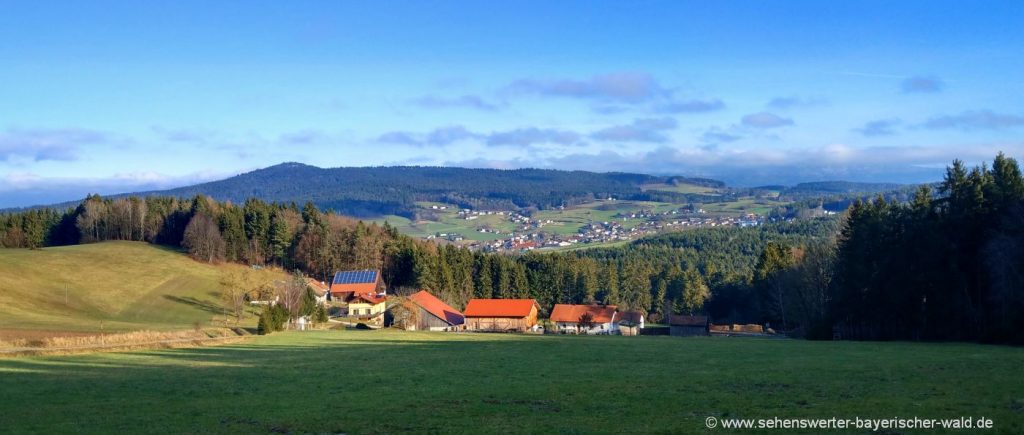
(379, 191)
(124, 285)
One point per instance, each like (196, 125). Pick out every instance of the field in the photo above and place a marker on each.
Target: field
(111, 286)
(387, 381)
(682, 188)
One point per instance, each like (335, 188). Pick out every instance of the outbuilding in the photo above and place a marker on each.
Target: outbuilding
(501, 315)
(431, 314)
(688, 326)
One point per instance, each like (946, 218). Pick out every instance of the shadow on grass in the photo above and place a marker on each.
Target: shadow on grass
(385, 382)
(202, 305)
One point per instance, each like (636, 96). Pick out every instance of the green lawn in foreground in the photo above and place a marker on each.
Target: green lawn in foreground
(386, 381)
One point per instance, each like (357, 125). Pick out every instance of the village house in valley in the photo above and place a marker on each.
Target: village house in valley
(432, 314)
(501, 315)
(585, 319)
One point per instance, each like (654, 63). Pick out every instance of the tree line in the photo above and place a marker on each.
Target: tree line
(948, 264)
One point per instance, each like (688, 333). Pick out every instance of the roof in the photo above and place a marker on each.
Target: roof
(500, 307)
(355, 281)
(634, 317)
(370, 297)
(572, 313)
(318, 287)
(677, 320)
(437, 307)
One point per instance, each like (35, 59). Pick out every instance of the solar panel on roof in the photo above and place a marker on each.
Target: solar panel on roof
(355, 277)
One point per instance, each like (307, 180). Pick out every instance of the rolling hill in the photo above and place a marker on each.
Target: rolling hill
(124, 285)
(379, 191)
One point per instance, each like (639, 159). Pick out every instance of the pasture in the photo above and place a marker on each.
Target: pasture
(388, 381)
(110, 286)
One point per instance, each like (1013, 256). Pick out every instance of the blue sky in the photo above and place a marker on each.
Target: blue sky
(120, 96)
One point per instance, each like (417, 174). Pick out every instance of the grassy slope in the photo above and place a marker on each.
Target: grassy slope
(126, 285)
(386, 381)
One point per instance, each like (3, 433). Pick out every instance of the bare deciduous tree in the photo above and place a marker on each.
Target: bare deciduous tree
(232, 293)
(203, 239)
(291, 294)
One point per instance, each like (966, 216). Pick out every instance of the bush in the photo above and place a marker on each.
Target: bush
(272, 319)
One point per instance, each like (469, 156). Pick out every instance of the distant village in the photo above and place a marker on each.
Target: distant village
(530, 233)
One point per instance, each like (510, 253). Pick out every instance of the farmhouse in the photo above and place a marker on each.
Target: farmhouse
(348, 283)
(432, 314)
(687, 326)
(600, 319)
(367, 306)
(504, 315)
(362, 292)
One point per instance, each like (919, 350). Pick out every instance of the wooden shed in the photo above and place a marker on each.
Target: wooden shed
(501, 315)
(688, 326)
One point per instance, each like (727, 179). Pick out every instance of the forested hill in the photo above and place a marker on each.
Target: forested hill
(375, 191)
(849, 187)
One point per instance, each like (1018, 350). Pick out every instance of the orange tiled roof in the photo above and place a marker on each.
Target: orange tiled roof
(318, 287)
(437, 307)
(370, 297)
(572, 313)
(499, 307)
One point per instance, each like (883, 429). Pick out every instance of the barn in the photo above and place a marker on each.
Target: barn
(501, 315)
(567, 319)
(688, 326)
(433, 314)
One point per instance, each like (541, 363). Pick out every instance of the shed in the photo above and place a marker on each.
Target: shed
(501, 315)
(434, 314)
(688, 326)
(630, 322)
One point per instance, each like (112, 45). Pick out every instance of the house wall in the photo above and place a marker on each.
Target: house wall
(598, 328)
(499, 323)
(363, 309)
(687, 331)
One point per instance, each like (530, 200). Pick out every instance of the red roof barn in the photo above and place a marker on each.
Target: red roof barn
(501, 314)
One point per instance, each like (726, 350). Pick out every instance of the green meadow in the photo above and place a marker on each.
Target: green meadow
(112, 286)
(387, 381)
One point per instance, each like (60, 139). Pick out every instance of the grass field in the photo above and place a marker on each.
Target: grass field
(386, 381)
(115, 286)
(682, 188)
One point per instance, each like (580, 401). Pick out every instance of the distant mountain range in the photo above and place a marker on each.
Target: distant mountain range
(378, 191)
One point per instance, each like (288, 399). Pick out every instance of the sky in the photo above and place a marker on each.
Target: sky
(111, 97)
